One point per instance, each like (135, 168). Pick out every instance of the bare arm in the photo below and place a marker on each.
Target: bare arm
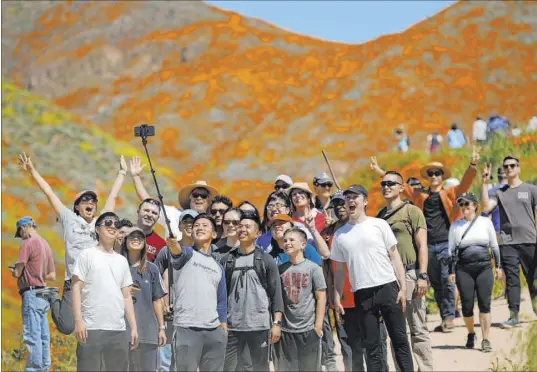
(129, 314)
(110, 204)
(76, 298)
(423, 250)
(339, 279)
(19, 267)
(375, 166)
(136, 169)
(51, 276)
(320, 308)
(321, 246)
(398, 267)
(26, 164)
(487, 203)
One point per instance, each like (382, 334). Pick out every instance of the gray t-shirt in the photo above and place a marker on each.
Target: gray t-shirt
(299, 283)
(78, 235)
(248, 303)
(517, 213)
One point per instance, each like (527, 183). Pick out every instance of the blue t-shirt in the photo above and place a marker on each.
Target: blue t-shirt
(263, 242)
(455, 139)
(310, 253)
(495, 213)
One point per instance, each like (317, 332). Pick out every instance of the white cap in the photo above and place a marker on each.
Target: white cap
(451, 182)
(284, 178)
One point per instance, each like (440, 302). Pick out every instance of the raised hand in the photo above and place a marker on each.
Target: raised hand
(122, 164)
(310, 222)
(374, 165)
(135, 166)
(486, 175)
(475, 154)
(25, 162)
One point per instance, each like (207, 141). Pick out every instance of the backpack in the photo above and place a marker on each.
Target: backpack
(228, 261)
(434, 141)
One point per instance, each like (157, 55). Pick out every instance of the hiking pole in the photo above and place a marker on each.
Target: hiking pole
(145, 131)
(330, 169)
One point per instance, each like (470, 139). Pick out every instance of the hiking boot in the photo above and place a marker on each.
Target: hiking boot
(50, 294)
(486, 347)
(470, 341)
(513, 321)
(448, 326)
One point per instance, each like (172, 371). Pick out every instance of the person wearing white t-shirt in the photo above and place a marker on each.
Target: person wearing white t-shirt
(101, 302)
(367, 246)
(479, 131)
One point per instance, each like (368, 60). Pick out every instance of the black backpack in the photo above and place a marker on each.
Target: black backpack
(228, 261)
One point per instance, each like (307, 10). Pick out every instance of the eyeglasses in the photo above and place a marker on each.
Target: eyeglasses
(196, 195)
(294, 194)
(464, 204)
(218, 211)
(110, 223)
(389, 183)
(231, 222)
(281, 186)
(512, 166)
(326, 184)
(276, 205)
(436, 173)
(88, 199)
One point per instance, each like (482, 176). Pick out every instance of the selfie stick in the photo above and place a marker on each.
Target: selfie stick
(144, 142)
(330, 169)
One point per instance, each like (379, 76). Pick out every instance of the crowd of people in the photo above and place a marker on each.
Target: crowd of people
(230, 288)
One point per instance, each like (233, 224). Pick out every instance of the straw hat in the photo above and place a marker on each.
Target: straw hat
(184, 193)
(300, 186)
(435, 165)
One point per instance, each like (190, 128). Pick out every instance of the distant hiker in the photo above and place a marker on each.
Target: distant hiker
(197, 196)
(498, 125)
(516, 131)
(517, 202)
(479, 131)
(455, 137)
(532, 124)
(304, 292)
(469, 241)
(102, 301)
(78, 234)
(33, 268)
(282, 182)
(403, 141)
(434, 141)
(219, 205)
(148, 216)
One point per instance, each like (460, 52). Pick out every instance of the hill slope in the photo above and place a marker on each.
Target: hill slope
(237, 101)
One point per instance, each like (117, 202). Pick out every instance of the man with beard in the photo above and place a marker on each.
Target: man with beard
(78, 235)
(148, 215)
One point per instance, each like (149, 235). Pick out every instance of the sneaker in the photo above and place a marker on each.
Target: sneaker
(513, 321)
(470, 341)
(438, 328)
(50, 294)
(486, 347)
(457, 314)
(448, 326)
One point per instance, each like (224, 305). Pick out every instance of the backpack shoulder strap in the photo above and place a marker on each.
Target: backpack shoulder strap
(260, 267)
(228, 261)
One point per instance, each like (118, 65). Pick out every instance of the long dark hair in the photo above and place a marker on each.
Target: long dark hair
(273, 196)
(143, 259)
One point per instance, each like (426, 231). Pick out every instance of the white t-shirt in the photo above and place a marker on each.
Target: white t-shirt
(364, 248)
(479, 130)
(104, 275)
(173, 215)
(482, 233)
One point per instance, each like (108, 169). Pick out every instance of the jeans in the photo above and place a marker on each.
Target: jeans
(515, 256)
(103, 350)
(164, 360)
(35, 331)
(372, 304)
(62, 311)
(346, 350)
(438, 271)
(328, 356)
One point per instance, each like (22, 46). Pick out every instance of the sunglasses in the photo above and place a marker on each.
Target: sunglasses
(231, 222)
(218, 211)
(326, 184)
(88, 199)
(281, 186)
(389, 183)
(110, 223)
(137, 237)
(196, 195)
(512, 166)
(436, 173)
(338, 203)
(152, 201)
(464, 204)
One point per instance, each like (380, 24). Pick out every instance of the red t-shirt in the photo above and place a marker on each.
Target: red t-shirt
(36, 255)
(154, 244)
(320, 221)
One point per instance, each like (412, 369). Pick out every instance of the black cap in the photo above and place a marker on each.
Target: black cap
(467, 196)
(356, 189)
(501, 172)
(338, 195)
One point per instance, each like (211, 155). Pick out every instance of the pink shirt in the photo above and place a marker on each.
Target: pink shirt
(36, 255)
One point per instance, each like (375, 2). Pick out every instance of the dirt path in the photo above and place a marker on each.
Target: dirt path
(449, 353)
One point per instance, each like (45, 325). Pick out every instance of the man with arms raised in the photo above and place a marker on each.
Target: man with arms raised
(408, 224)
(368, 247)
(101, 302)
(78, 234)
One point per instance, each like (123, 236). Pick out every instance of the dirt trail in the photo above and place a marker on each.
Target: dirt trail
(449, 353)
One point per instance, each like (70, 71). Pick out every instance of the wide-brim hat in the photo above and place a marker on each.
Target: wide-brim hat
(184, 193)
(435, 165)
(299, 186)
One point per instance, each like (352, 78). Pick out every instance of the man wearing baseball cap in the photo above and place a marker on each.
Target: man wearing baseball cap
(368, 247)
(33, 267)
(282, 182)
(322, 187)
(78, 227)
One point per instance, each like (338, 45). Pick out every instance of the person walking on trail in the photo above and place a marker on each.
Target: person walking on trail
(455, 137)
(197, 196)
(304, 292)
(102, 301)
(434, 142)
(78, 235)
(469, 241)
(148, 215)
(254, 302)
(479, 131)
(200, 301)
(367, 246)
(437, 204)
(147, 294)
(518, 235)
(407, 222)
(33, 268)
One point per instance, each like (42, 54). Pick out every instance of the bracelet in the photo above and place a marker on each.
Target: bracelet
(162, 327)
(122, 171)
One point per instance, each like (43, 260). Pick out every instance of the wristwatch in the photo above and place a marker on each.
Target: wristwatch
(423, 276)
(277, 323)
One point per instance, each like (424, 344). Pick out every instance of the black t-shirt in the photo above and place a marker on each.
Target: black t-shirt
(436, 218)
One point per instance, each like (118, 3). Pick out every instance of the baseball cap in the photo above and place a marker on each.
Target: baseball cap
(24, 221)
(356, 189)
(85, 192)
(467, 196)
(338, 195)
(322, 178)
(284, 178)
(280, 217)
(188, 212)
